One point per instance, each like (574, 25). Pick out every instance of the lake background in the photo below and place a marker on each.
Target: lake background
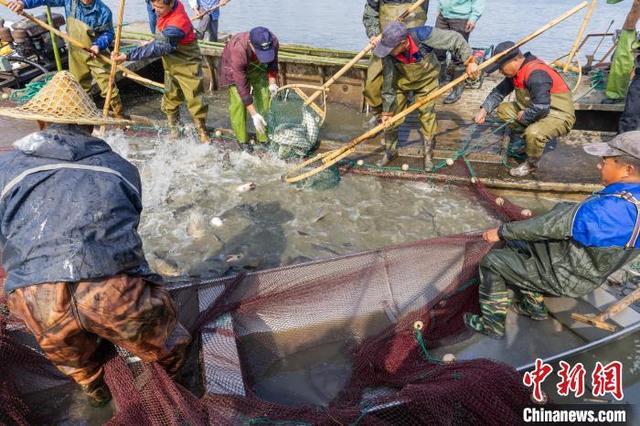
(338, 23)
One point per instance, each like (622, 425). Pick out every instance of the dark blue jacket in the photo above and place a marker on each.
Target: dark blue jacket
(96, 16)
(76, 221)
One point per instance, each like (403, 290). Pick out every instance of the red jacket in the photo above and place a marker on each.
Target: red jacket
(236, 57)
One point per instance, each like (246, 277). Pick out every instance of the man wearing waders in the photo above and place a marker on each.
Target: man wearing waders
(208, 27)
(460, 16)
(569, 251)
(249, 66)
(76, 272)
(377, 15)
(543, 109)
(410, 66)
(182, 62)
(90, 23)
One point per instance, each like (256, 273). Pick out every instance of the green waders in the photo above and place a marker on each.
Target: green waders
(183, 84)
(373, 86)
(257, 77)
(559, 122)
(85, 68)
(622, 66)
(420, 78)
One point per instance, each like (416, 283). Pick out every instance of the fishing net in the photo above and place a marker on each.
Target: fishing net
(31, 89)
(293, 126)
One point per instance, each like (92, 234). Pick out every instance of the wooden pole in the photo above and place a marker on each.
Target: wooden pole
(332, 157)
(415, 6)
(583, 27)
(114, 68)
(600, 320)
(54, 42)
(208, 11)
(125, 71)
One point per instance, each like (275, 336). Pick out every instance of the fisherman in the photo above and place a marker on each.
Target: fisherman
(76, 273)
(90, 23)
(377, 15)
(630, 118)
(459, 16)
(569, 251)
(543, 109)
(182, 62)
(249, 66)
(410, 65)
(623, 58)
(208, 26)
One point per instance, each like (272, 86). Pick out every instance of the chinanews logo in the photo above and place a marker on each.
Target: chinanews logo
(602, 384)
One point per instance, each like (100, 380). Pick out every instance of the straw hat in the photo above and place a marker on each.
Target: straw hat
(62, 100)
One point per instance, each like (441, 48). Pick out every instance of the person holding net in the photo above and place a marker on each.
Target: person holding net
(249, 67)
(76, 273)
(543, 109)
(377, 15)
(410, 66)
(182, 62)
(89, 22)
(569, 251)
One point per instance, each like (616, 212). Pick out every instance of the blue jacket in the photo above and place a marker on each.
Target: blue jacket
(208, 4)
(606, 220)
(71, 223)
(97, 17)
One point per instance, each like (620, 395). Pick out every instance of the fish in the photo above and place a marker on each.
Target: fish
(164, 267)
(195, 227)
(246, 187)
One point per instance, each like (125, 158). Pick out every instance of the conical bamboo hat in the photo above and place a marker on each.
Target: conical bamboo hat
(62, 100)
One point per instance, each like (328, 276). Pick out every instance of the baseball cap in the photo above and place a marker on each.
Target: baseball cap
(501, 47)
(627, 143)
(262, 42)
(392, 35)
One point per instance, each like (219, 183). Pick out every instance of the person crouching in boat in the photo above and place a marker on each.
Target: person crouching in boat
(569, 251)
(249, 67)
(182, 62)
(410, 65)
(76, 273)
(89, 22)
(543, 109)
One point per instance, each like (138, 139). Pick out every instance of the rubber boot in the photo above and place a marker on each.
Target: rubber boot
(516, 148)
(201, 128)
(173, 121)
(429, 144)
(444, 77)
(389, 155)
(531, 305)
(457, 91)
(526, 168)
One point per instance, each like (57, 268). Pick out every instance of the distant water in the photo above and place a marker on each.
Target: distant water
(337, 23)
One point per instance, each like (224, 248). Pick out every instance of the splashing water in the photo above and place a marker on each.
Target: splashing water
(198, 221)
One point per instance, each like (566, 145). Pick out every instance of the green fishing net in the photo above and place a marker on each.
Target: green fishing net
(293, 127)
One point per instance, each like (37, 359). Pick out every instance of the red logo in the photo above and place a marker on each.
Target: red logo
(536, 377)
(608, 379)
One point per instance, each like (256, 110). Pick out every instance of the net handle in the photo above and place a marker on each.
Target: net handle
(321, 111)
(329, 158)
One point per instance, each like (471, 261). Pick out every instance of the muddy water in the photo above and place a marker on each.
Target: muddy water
(199, 221)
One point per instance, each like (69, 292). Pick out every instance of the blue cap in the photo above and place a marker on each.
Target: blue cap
(262, 42)
(392, 35)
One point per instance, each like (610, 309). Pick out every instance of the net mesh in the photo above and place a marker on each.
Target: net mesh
(293, 127)
(318, 343)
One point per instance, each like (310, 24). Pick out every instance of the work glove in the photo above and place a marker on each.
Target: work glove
(273, 89)
(259, 123)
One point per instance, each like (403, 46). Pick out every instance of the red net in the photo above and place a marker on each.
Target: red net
(325, 342)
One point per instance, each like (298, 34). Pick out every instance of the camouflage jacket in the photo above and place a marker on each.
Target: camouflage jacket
(559, 263)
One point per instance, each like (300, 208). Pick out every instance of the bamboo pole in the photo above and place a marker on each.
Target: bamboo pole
(415, 6)
(114, 68)
(208, 11)
(54, 42)
(330, 158)
(583, 27)
(125, 71)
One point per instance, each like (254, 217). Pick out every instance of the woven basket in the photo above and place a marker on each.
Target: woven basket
(62, 100)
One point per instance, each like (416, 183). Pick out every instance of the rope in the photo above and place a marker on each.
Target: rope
(417, 328)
